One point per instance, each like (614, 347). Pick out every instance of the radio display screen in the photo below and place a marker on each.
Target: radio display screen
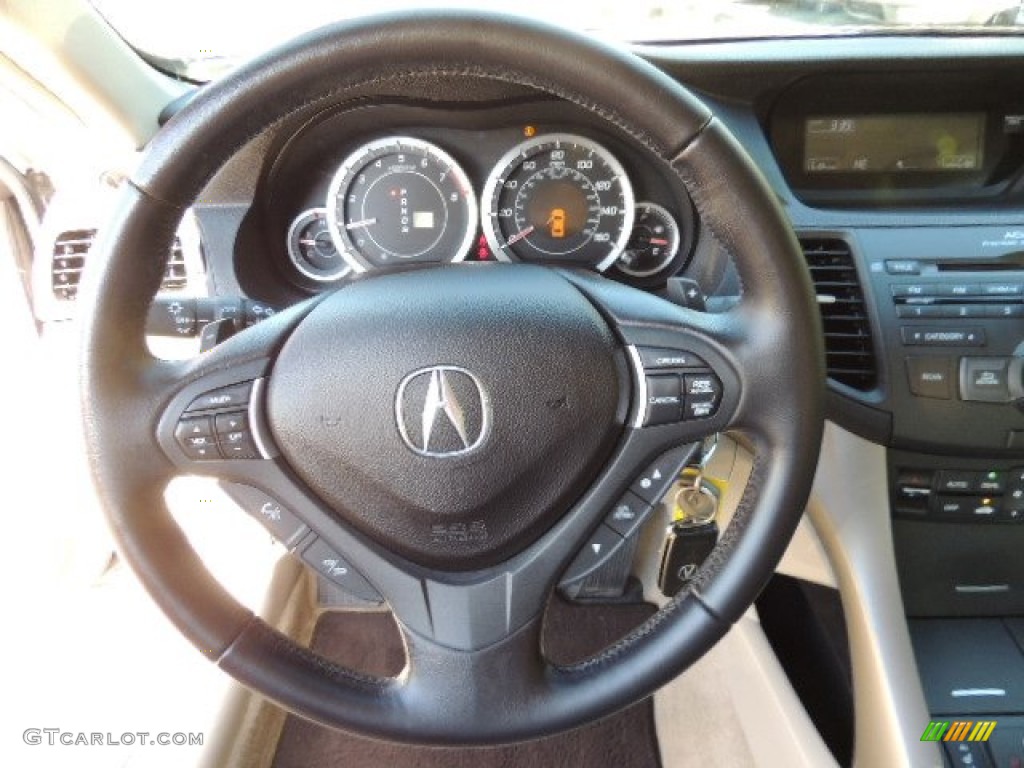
(895, 143)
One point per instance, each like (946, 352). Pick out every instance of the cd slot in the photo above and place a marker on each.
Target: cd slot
(1010, 262)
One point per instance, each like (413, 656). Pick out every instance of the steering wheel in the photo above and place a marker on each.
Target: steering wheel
(546, 379)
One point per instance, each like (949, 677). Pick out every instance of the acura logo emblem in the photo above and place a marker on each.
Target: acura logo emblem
(442, 411)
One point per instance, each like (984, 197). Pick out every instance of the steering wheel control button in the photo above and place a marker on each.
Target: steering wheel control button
(627, 514)
(931, 377)
(601, 570)
(703, 393)
(227, 423)
(238, 445)
(604, 543)
(336, 569)
(195, 437)
(655, 358)
(282, 524)
(235, 396)
(664, 400)
(661, 475)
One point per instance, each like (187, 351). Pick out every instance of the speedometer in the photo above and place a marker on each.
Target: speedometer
(558, 198)
(400, 200)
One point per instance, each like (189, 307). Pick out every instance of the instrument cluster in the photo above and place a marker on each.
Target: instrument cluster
(552, 198)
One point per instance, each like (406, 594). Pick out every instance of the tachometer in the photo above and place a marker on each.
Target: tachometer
(399, 200)
(558, 198)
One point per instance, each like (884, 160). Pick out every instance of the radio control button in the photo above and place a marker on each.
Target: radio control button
(1005, 310)
(956, 289)
(913, 289)
(942, 337)
(985, 379)
(931, 377)
(903, 267)
(1002, 289)
(920, 310)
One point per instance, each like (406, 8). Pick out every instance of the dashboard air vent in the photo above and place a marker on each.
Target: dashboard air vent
(69, 252)
(850, 356)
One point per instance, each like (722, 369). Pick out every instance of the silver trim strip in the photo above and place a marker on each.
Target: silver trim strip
(963, 693)
(258, 423)
(640, 379)
(970, 589)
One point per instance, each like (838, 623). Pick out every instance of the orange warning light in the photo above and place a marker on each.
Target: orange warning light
(529, 131)
(557, 222)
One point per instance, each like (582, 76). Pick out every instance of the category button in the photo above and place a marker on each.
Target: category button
(942, 337)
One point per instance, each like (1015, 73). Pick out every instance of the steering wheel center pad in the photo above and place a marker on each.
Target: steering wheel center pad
(451, 414)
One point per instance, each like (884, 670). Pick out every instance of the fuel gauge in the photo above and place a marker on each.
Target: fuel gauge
(312, 250)
(653, 244)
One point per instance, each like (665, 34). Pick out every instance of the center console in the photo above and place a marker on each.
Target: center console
(946, 311)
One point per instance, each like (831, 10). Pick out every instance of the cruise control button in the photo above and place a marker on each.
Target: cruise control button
(702, 384)
(656, 357)
(659, 477)
(282, 524)
(333, 566)
(627, 514)
(602, 545)
(703, 392)
(225, 397)
(664, 400)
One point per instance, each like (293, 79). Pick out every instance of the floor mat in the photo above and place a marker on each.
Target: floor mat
(370, 642)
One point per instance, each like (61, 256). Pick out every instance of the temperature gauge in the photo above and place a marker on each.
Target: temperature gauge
(312, 250)
(653, 244)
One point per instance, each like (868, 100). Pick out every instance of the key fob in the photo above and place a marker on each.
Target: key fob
(686, 548)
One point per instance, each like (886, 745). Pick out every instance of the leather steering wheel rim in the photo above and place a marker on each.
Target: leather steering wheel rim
(455, 696)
